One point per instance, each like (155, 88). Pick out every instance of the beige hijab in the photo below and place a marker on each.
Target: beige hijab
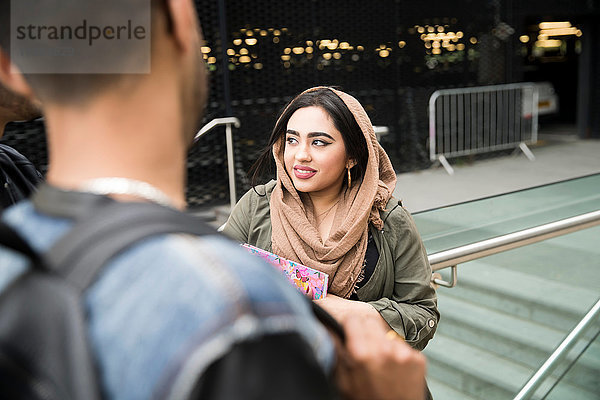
(295, 235)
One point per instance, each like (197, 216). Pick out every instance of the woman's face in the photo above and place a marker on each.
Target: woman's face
(315, 155)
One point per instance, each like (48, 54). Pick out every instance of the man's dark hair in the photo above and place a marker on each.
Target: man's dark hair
(343, 119)
(75, 88)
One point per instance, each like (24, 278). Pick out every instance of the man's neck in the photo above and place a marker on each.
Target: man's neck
(137, 137)
(3, 123)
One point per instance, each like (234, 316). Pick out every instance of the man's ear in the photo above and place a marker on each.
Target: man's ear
(12, 78)
(184, 23)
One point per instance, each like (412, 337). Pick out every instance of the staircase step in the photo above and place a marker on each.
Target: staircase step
(530, 297)
(511, 337)
(441, 391)
(483, 374)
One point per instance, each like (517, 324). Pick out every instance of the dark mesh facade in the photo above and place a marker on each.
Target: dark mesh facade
(261, 53)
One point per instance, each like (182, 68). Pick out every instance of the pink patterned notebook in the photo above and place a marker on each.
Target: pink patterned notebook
(301, 275)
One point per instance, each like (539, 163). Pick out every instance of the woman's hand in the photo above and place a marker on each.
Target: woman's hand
(341, 309)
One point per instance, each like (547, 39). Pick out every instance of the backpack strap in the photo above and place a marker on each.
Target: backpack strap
(11, 239)
(112, 228)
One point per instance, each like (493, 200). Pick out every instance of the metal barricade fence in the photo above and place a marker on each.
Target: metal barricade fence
(474, 120)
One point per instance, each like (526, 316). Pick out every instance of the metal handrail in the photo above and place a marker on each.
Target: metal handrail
(380, 131)
(559, 354)
(455, 256)
(228, 121)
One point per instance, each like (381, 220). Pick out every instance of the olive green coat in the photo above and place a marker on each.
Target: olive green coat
(399, 287)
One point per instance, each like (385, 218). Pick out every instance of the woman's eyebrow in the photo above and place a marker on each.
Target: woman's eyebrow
(311, 134)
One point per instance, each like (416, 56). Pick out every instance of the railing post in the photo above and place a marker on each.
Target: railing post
(227, 121)
(230, 166)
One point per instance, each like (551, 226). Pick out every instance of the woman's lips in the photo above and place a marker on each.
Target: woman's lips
(304, 172)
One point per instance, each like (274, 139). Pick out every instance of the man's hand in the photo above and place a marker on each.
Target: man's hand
(376, 364)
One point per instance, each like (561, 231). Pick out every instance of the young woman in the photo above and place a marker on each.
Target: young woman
(331, 208)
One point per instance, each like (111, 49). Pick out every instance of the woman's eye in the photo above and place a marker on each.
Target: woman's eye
(290, 140)
(320, 143)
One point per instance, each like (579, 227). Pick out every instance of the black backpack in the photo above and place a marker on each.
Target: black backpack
(44, 352)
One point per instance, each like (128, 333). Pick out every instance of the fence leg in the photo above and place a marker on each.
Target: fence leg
(446, 165)
(526, 151)
(230, 166)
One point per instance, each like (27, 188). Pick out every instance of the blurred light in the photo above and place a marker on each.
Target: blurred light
(384, 53)
(249, 33)
(262, 33)
(436, 51)
(327, 56)
(258, 66)
(309, 43)
(205, 56)
(332, 46)
(355, 57)
(559, 32)
(524, 38)
(243, 51)
(251, 41)
(554, 25)
(420, 29)
(284, 29)
(212, 60)
(276, 32)
(440, 29)
(401, 44)
(344, 45)
(275, 40)
(230, 52)
(451, 47)
(428, 45)
(298, 50)
(245, 59)
(473, 40)
(436, 45)
(205, 49)
(578, 33)
(237, 42)
(287, 50)
(287, 64)
(309, 50)
(337, 55)
(423, 37)
(285, 58)
(360, 48)
(460, 47)
(549, 43)
(459, 34)
(430, 29)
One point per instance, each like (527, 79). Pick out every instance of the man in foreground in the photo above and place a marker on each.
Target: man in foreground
(178, 316)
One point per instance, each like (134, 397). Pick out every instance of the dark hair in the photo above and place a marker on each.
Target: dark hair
(343, 119)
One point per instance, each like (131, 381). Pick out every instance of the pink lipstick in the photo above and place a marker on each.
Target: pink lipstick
(302, 172)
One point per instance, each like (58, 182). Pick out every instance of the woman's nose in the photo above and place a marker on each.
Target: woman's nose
(303, 154)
